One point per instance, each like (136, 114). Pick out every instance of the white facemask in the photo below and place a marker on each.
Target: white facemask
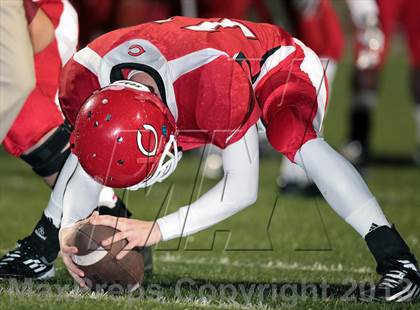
(167, 165)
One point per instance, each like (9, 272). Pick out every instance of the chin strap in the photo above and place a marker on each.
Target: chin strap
(167, 165)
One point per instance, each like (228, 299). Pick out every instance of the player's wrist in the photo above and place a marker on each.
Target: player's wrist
(157, 233)
(169, 227)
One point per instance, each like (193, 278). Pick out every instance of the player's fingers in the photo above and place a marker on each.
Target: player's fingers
(119, 223)
(125, 250)
(72, 267)
(68, 249)
(106, 220)
(115, 238)
(93, 216)
(79, 280)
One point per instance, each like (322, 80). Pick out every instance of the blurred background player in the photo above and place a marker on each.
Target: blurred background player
(40, 137)
(371, 50)
(17, 78)
(99, 16)
(315, 22)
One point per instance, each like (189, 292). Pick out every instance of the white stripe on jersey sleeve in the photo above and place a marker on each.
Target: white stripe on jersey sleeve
(192, 61)
(67, 32)
(89, 59)
(169, 71)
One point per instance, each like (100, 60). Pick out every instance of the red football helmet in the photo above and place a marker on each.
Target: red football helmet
(125, 137)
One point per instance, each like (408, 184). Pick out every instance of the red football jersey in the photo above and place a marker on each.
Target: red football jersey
(205, 68)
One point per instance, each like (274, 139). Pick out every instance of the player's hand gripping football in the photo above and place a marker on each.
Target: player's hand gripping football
(138, 233)
(67, 251)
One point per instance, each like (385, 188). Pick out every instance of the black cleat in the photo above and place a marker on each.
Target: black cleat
(119, 210)
(401, 284)
(400, 276)
(22, 262)
(33, 256)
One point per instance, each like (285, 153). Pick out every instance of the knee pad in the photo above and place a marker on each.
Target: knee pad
(50, 157)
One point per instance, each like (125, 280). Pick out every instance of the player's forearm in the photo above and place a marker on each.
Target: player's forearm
(75, 192)
(212, 208)
(236, 191)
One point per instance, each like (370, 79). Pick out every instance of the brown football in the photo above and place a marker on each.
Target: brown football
(103, 272)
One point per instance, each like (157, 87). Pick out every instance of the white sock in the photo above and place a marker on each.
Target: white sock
(54, 212)
(367, 218)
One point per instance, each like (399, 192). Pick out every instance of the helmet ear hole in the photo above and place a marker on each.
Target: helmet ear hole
(120, 162)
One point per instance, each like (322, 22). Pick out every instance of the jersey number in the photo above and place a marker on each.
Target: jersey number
(223, 23)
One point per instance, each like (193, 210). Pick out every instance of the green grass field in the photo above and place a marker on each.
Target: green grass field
(279, 253)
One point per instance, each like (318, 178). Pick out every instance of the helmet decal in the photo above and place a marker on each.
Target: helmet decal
(140, 144)
(136, 50)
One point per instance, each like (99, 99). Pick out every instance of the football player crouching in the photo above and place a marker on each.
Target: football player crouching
(137, 98)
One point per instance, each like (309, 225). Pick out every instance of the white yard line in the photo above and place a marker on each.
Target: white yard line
(272, 265)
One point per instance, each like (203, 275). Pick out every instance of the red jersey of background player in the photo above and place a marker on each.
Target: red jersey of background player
(40, 113)
(214, 74)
